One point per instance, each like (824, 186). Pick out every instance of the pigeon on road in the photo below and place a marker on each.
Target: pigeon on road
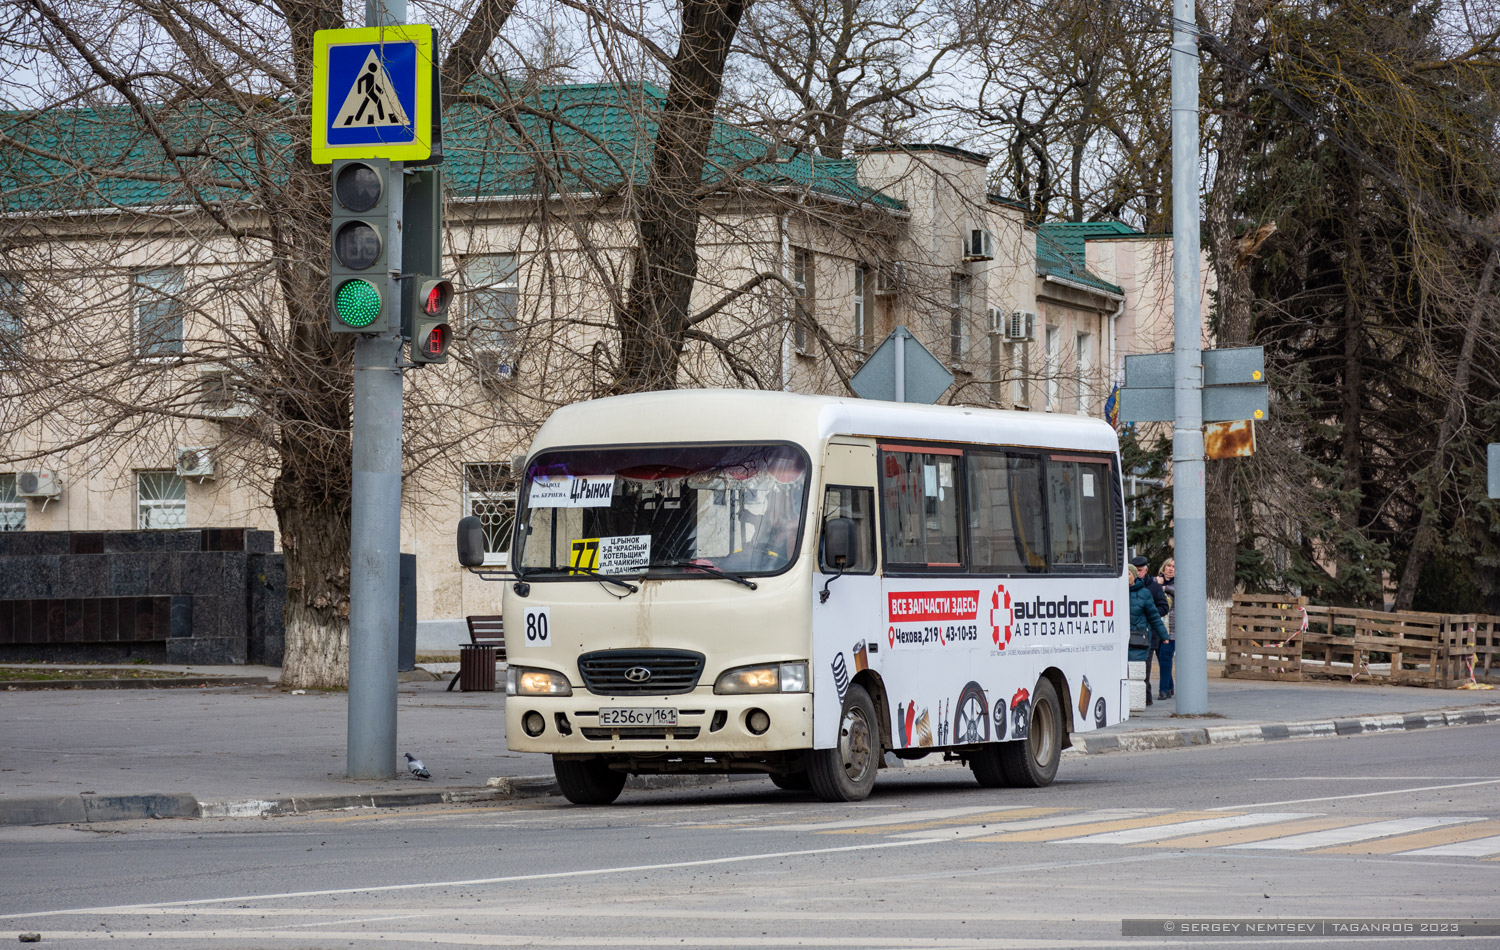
(416, 767)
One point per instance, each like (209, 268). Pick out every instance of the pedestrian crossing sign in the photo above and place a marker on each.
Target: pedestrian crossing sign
(373, 93)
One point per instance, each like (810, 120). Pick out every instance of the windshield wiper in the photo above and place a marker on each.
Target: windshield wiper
(709, 569)
(603, 578)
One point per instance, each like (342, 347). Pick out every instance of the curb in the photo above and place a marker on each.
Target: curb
(87, 808)
(175, 682)
(1144, 739)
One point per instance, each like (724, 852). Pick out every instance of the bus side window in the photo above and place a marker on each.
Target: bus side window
(1081, 515)
(919, 493)
(858, 505)
(1005, 512)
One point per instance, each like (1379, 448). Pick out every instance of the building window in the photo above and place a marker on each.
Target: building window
(1050, 358)
(494, 292)
(1018, 369)
(158, 311)
(160, 500)
(490, 496)
(958, 315)
(11, 296)
(864, 289)
(804, 278)
(1085, 347)
(12, 508)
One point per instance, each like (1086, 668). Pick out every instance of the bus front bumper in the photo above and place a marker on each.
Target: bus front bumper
(696, 723)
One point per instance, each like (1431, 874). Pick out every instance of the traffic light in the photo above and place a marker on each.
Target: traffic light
(360, 273)
(426, 312)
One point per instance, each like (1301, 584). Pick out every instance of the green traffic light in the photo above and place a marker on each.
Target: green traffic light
(357, 303)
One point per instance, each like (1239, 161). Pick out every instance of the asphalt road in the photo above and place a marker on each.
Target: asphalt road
(1401, 826)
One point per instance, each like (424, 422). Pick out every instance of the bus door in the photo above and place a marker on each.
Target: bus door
(847, 631)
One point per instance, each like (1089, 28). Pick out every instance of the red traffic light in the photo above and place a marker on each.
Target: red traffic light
(434, 302)
(434, 342)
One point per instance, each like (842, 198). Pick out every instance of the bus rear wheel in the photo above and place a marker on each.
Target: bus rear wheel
(587, 782)
(846, 773)
(1032, 761)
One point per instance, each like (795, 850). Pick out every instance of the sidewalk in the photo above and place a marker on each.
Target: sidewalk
(99, 754)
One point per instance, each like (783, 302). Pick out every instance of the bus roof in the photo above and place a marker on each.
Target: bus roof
(740, 415)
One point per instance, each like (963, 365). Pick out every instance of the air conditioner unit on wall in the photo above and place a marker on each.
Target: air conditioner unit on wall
(1022, 326)
(979, 245)
(219, 398)
(38, 484)
(195, 462)
(996, 317)
(890, 278)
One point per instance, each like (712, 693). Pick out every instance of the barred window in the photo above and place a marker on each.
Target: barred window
(490, 496)
(958, 315)
(160, 500)
(158, 311)
(12, 508)
(804, 278)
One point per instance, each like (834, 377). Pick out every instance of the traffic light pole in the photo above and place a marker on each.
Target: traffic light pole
(1189, 535)
(375, 532)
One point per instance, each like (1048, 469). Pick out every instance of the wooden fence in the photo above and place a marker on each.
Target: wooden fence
(1271, 636)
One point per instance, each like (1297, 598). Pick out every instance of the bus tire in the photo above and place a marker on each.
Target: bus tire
(589, 782)
(1032, 762)
(792, 781)
(846, 773)
(987, 767)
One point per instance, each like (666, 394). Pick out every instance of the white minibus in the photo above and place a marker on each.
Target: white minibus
(742, 581)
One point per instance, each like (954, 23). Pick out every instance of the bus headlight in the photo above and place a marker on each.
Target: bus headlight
(520, 681)
(771, 678)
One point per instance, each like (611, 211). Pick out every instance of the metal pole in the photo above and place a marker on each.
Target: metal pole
(1188, 533)
(901, 336)
(375, 535)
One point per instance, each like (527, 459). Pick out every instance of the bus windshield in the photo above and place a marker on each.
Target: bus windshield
(663, 510)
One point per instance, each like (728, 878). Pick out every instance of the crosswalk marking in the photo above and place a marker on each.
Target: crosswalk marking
(955, 832)
(988, 818)
(1435, 838)
(1073, 831)
(1350, 834)
(1475, 848)
(1257, 833)
(1158, 832)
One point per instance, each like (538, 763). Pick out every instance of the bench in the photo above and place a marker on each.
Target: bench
(477, 658)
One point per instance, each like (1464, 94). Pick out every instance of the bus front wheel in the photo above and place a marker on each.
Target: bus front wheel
(1032, 761)
(846, 773)
(589, 782)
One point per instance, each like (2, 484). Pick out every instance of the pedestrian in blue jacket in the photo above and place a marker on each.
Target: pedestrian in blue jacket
(1146, 626)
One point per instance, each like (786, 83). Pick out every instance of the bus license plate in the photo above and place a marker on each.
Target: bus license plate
(659, 716)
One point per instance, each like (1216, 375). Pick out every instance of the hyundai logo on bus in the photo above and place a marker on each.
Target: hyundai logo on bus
(638, 674)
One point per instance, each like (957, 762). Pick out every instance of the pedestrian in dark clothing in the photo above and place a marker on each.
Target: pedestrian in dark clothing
(1159, 596)
(1167, 648)
(1145, 626)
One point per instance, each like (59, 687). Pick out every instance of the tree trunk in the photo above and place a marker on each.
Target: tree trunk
(654, 320)
(1437, 473)
(1234, 298)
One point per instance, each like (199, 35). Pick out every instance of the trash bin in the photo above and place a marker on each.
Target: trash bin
(476, 668)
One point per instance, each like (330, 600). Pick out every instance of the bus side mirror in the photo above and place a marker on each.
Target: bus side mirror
(838, 542)
(470, 541)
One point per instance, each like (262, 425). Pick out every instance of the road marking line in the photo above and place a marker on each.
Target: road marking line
(883, 819)
(1261, 833)
(1073, 831)
(1322, 839)
(953, 833)
(1477, 848)
(1339, 798)
(994, 817)
(1143, 835)
(471, 882)
(1450, 834)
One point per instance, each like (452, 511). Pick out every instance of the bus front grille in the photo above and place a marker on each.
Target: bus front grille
(640, 732)
(640, 672)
